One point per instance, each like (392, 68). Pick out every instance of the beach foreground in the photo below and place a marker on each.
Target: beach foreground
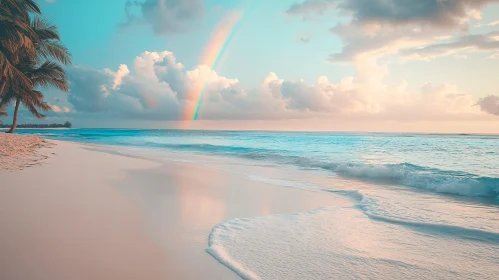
(88, 211)
(18, 152)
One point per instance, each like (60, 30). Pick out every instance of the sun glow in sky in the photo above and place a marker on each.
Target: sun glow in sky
(291, 65)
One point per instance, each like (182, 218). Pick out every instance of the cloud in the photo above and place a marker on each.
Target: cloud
(489, 104)
(322, 97)
(118, 75)
(157, 87)
(59, 109)
(305, 39)
(360, 42)
(431, 102)
(310, 7)
(165, 16)
(468, 43)
(377, 28)
(56, 108)
(436, 13)
(493, 23)
(89, 88)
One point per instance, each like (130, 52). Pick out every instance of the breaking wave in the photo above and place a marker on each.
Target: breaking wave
(405, 174)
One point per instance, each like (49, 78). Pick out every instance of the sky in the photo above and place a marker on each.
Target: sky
(326, 65)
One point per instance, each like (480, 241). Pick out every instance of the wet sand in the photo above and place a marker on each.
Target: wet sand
(84, 213)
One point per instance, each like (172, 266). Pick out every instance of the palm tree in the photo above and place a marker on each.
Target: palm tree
(15, 34)
(2, 114)
(40, 71)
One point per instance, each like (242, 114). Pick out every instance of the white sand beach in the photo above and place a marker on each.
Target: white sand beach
(80, 212)
(18, 152)
(198, 139)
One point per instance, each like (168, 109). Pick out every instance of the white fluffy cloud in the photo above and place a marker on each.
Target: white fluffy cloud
(157, 87)
(118, 75)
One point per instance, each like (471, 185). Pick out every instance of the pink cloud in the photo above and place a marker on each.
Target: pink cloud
(157, 87)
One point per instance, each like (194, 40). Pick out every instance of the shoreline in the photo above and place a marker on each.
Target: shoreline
(86, 211)
(354, 132)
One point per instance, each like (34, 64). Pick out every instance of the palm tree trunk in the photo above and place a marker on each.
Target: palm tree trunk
(2, 87)
(14, 122)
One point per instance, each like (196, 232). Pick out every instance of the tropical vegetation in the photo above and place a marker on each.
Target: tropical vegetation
(44, 125)
(31, 58)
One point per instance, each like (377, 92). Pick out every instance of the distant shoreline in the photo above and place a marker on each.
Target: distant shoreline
(47, 128)
(281, 131)
(39, 126)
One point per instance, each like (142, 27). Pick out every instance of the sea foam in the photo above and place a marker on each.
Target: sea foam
(405, 174)
(344, 243)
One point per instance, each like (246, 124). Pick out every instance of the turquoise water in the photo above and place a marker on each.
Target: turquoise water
(423, 206)
(465, 165)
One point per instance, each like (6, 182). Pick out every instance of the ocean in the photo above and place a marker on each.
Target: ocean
(423, 205)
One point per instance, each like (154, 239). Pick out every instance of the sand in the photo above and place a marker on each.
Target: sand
(89, 213)
(18, 152)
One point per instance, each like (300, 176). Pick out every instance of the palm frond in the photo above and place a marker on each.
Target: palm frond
(48, 70)
(7, 99)
(50, 74)
(44, 29)
(11, 74)
(30, 56)
(32, 109)
(18, 39)
(34, 101)
(37, 100)
(54, 50)
(61, 85)
(15, 16)
(20, 6)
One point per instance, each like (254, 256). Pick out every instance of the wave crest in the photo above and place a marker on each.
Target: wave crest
(405, 174)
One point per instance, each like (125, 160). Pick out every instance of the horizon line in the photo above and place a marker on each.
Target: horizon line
(277, 130)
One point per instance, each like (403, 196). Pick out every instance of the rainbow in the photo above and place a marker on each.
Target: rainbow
(212, 55)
